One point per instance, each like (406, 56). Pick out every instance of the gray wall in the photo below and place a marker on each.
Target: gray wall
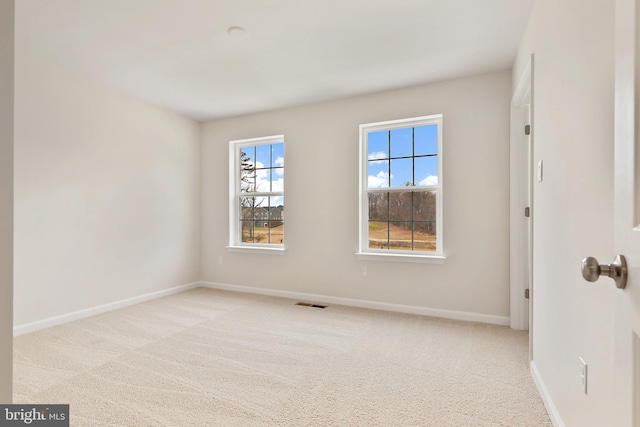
(6, 197)
(321, 198)
(107, 193)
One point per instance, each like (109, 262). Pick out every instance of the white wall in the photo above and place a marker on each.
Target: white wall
(573, 133)
(6, 197)
(321, 199)
(106, 195)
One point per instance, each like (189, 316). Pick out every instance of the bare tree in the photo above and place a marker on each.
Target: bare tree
(405, 209)
(248, 185)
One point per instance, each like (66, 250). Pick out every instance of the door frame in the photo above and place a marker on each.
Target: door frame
(627, 212)
(521, 196)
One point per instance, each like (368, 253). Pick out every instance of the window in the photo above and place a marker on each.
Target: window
(401, 188)
(257, 193)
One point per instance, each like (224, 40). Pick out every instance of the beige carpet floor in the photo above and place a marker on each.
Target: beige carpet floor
(214, 358)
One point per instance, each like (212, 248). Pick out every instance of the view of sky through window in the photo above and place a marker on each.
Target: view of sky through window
(403, 157)
(263, 171)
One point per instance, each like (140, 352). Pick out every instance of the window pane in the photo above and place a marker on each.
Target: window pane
(263, 156)
(261, 202)
(252, 207)
(424, 215)
(401, 172)
(401, 142)
(261, 216)
(426, 170)
(261, 221)
(276, 234)
(277, 180)
(378, 206)
(261, 231)
(424, 236)
(277, 155)
(248, 156)
(247, 181)
(246, 207)
(272, 179)
(277, 201)
(378, 145)
(277, 176)
(276, 211)
(263, 180)
(378, 174)
(400, 206)
(275, 223)
(400, 236)
(247, 169)
(424, 206)
(378, 235)
(425, 140)
(247, 231)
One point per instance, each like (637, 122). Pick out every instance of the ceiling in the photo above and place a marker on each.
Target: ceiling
(179, 55)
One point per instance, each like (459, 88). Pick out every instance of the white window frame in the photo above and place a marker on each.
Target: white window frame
(235, 240)
(364, 252)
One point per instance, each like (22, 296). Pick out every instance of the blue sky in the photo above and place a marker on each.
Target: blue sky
(384, 147)
(269, 163)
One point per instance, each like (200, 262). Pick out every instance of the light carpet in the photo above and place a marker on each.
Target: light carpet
(206, 357)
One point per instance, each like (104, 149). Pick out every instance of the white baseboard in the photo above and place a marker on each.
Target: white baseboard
(80, 314)
(546, 397)
(424, 311)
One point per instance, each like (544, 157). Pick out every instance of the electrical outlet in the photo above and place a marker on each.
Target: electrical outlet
(583, 374)
(364, 271)
(220, 259)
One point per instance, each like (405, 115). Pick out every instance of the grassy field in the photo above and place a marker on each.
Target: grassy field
(399, 238)
(261, 235)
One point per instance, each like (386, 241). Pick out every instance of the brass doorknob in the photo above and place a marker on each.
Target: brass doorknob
(617, 270)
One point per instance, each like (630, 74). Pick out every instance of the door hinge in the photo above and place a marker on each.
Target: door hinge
(526, 293)
(527, 130)
(527, 212)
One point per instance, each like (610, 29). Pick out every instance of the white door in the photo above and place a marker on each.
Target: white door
(627, 213)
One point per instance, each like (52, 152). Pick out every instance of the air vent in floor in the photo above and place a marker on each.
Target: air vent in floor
(306, 304)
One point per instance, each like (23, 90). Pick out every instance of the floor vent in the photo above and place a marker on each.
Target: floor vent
(306, 304)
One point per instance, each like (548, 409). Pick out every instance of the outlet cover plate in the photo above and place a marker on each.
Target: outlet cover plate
(583, 374)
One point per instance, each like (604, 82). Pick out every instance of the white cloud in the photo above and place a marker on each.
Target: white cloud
(429, 180)
(378, 181)
(262, 178)
(260, 172)
(278, 184)
(279, 162)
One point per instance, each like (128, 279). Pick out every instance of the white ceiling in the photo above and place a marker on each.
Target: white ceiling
(177, 54)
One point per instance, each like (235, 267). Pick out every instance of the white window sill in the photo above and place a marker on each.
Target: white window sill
(277, 250)
(395, 257)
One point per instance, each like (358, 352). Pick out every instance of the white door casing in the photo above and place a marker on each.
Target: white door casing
(627, 214)
(520, 195)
